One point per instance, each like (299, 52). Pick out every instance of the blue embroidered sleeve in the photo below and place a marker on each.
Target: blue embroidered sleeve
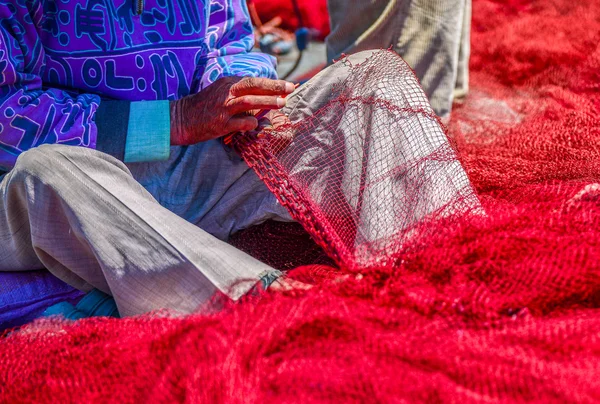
(230, 39)
(31, 116)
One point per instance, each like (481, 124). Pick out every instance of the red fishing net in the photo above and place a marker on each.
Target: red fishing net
(314, 14)
(445, 290)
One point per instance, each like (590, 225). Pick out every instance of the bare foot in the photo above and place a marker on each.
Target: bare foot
(284, 284)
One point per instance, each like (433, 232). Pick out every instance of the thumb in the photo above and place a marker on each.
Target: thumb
(241, 124)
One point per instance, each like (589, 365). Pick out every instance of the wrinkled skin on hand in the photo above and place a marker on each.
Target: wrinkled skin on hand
(227, 106)
(278, 140)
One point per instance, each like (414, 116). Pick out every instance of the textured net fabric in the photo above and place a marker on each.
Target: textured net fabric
(282, 245)
(367, 168)
(463, 301)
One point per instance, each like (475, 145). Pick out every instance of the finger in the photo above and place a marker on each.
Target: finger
(275, 22)
(241, 124)
(287, 284)
(261, 86)
(278, 119)
(263, 124)
(248, 103)
(273, 121)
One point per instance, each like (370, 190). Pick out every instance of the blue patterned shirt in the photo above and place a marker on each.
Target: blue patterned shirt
(99, 73)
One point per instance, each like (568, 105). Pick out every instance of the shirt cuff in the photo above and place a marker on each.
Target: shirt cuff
(111, 120)
(148, 132)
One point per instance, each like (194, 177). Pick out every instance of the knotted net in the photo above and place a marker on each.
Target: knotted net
(369, 168)
(436, 288)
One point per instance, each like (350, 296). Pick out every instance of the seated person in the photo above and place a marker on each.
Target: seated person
(116, 174)
(432, 36)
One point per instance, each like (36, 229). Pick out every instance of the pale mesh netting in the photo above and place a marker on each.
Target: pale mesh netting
(434, 291)
(367, 168)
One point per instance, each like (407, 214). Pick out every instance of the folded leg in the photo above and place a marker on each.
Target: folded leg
(81, 214)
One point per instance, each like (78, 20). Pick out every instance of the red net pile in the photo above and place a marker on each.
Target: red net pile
(314, 14)
(445, 290)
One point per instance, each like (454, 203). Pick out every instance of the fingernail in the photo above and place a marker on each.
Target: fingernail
(280, 102)
(289, 87)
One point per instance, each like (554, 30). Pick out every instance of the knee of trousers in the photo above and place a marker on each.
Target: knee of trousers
(51, 162)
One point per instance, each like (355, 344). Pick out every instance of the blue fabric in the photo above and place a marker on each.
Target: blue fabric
(58, 58)
(25, 296)
(98, 304)
(112, 118)
(93, 304)
(148, 132)
(66, 310)
(270, 277)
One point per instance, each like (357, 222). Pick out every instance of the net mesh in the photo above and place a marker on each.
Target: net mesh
(368, 169)
(442, 290)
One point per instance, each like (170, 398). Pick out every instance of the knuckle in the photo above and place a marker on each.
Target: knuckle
(228, 80)
(249, 82)
(279, 85)
(243, 102)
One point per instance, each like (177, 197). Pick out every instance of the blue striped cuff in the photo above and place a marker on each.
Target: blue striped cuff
(148, 132)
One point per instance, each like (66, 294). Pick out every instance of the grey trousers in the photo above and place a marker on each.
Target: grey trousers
(433, 36)
(82, 215)
(151, 234)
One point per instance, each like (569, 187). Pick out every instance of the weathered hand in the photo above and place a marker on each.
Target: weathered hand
(277, 119)
(224, 107)
(275, 127)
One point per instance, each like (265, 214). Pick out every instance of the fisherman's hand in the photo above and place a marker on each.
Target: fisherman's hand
(277, 127)
(224, 107)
